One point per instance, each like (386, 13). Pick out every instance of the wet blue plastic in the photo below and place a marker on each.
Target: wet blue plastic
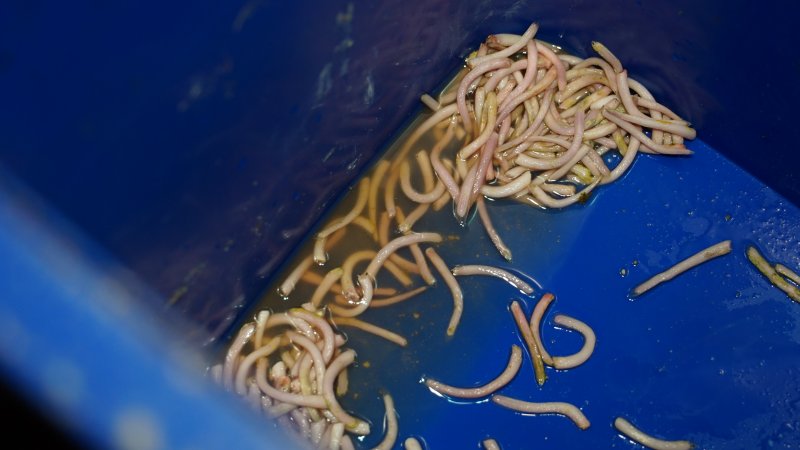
(198, 142)
(711, 356)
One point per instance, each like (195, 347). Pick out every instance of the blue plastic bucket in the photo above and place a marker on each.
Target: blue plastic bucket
(169, 158)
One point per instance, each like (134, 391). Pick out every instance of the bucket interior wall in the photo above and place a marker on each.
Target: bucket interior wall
(199, 141)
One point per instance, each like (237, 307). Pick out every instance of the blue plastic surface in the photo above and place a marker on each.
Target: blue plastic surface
(711, 356)
(78, 340)
(198, 142)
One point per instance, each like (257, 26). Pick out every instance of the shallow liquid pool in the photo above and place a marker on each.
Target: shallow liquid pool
(712, 356)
